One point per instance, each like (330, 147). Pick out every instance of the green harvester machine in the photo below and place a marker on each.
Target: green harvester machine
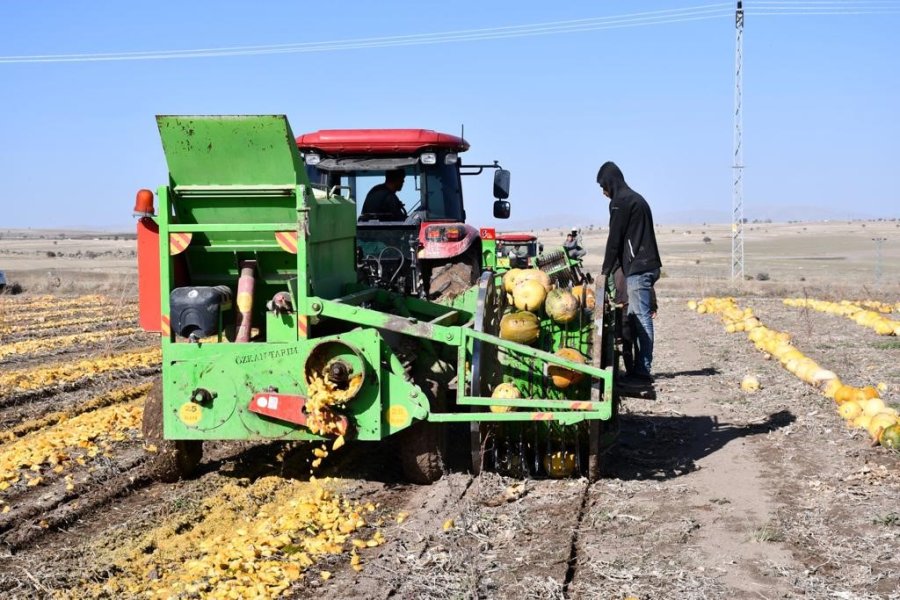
(268, 332)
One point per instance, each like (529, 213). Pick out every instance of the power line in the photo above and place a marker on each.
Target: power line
(805, 3)
(638, 19)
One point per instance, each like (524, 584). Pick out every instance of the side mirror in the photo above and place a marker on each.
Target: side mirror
(501, 209)
(501, 185)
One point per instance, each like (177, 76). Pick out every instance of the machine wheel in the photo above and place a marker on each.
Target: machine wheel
(452, 278)
(421, 451)
(422, 447)
(173, 459)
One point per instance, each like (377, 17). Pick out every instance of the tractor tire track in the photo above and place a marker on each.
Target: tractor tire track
(84, 526)
(59, 508)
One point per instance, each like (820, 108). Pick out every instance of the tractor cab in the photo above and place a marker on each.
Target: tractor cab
(426, 237)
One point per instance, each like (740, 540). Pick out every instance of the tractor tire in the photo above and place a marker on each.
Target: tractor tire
(422, 447)
(173, 459)
(452, 278)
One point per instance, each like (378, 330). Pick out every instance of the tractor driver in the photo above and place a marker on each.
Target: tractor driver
(382, 201)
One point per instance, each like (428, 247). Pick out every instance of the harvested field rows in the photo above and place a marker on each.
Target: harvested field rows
(712, 491)
(873, 319)
(87, 321)
(45, 379)
(56, 344)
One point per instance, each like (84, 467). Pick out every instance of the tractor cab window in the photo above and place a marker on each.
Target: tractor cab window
(364, 181)
(337, 182)
(442, 195)
(430, 192)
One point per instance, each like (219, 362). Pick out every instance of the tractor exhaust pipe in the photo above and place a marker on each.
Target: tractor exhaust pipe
(246, 284)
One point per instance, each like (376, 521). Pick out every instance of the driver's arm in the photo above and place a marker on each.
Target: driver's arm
(397, 206)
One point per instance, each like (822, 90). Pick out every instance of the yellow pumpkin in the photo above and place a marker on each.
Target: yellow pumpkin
(509, 279)
(862, 421)
(535, 275)
(750, 383)
(562, 306)
(589, 299)
(871, 392)
(879, 423)
(559, 464)
(529, 295)
(845, 393)
(830, 388)
(820, 376)
(872, 406)
(521, 327)
(850, 410)
(506, 391)
(563, 377)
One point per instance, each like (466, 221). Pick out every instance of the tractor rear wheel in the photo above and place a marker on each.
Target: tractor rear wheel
(422, 447)
(421, 450)
(454, 277)
(173, 459)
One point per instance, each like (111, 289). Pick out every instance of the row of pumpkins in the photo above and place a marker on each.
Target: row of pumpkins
(872, 318)
(862, 407)
(882, 307)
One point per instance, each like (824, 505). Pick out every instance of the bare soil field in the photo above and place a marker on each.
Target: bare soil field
(710, 492)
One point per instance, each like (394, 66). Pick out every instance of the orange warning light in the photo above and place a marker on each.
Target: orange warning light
(143, 204)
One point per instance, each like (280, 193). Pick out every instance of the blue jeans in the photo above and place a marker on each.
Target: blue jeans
(640, 286)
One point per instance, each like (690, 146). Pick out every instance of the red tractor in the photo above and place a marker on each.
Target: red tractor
(428, 250)
(516, 250)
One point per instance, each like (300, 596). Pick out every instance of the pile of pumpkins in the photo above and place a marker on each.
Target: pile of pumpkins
(869, 313)
(530, 291)
(865, 409)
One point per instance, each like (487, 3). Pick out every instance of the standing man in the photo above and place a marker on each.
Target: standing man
(631, 244)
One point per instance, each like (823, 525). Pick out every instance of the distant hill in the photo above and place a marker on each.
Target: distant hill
(773, 212)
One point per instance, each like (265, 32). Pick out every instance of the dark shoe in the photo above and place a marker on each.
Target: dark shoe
(636, 380)
(632, 390)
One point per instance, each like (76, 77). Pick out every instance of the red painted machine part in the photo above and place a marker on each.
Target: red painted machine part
(516, 237)
(434, 250)
(284, 407)
(379, 141)
(148, 274)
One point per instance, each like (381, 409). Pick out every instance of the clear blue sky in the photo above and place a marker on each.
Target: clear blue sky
(820, 101)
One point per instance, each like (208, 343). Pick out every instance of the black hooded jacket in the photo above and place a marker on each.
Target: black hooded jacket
(632, 240)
